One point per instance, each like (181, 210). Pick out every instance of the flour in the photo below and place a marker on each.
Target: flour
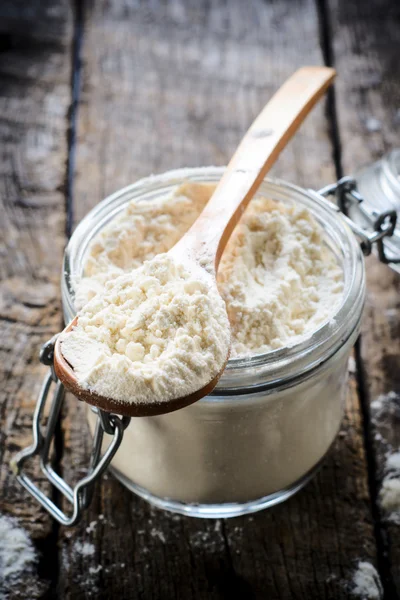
(393, 462)
(92, 526)
(95, 570)
(156, 533)
(87, 578)
(278, 279)
(17, 554)
(84, 548)
(383, 400)
(389, 494)
(352, 366)
(154, 334)
(143, 230)
(367, 583)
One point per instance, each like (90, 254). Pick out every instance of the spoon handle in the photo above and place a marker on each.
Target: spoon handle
(268, 135)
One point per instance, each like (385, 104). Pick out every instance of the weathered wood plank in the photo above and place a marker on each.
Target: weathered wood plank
(34, 100)
(367, 49)
(174, 86)
(168, 85)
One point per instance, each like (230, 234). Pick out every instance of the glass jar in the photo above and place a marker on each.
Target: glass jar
(264, 430)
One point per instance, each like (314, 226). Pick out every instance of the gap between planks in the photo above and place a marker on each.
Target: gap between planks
(77, 8)
(382, 546)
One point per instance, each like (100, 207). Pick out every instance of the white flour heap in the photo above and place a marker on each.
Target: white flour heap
(278, 279)
(17, 553)
(367, 583)
(389, 494)
(153, 334)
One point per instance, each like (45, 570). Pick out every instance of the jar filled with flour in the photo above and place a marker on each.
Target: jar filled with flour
(293, 280)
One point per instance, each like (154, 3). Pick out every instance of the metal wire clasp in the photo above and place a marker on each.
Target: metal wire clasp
(350, 202)
(81, 495)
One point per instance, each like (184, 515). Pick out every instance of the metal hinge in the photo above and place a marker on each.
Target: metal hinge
(81, 495)
(371, 227)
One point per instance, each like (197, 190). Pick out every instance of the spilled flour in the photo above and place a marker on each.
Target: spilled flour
(352, 367)
(17, 554)
(383, 400)
(389, 495)
(384, 408)
(366, 582)
(393, 462)
(84, 548)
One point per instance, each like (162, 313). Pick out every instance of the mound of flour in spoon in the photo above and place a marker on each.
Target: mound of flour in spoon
(153, 334)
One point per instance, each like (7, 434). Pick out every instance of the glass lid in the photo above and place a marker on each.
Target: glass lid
(379, 185)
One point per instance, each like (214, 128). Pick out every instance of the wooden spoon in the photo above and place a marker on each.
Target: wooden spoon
(202, 246)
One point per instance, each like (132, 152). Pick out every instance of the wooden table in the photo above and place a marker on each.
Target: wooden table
(95, 94)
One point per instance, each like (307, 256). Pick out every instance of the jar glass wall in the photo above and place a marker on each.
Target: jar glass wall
(272, 417)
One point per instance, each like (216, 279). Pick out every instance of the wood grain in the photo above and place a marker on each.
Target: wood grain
(178, 85)
(367, 48)
(34, 102)
(254, 157)
(168, 85)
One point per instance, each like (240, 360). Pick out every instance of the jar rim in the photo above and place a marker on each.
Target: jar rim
(274, 368)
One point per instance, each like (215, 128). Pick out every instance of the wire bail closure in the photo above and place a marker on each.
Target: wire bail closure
(348, 200)
(81, 495)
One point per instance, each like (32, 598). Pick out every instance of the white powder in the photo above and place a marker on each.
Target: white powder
(91, 527)
(389, 494)
(367, 584)
(17, 553)
(156, 533)
(384, 399)
(373, 125)
(84, 548)
(154, 334)
(95, 570)
(278, 279)
(393, 462)
(143, 230)
(352, 366)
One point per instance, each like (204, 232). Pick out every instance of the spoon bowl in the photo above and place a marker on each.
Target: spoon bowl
(66, 374)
